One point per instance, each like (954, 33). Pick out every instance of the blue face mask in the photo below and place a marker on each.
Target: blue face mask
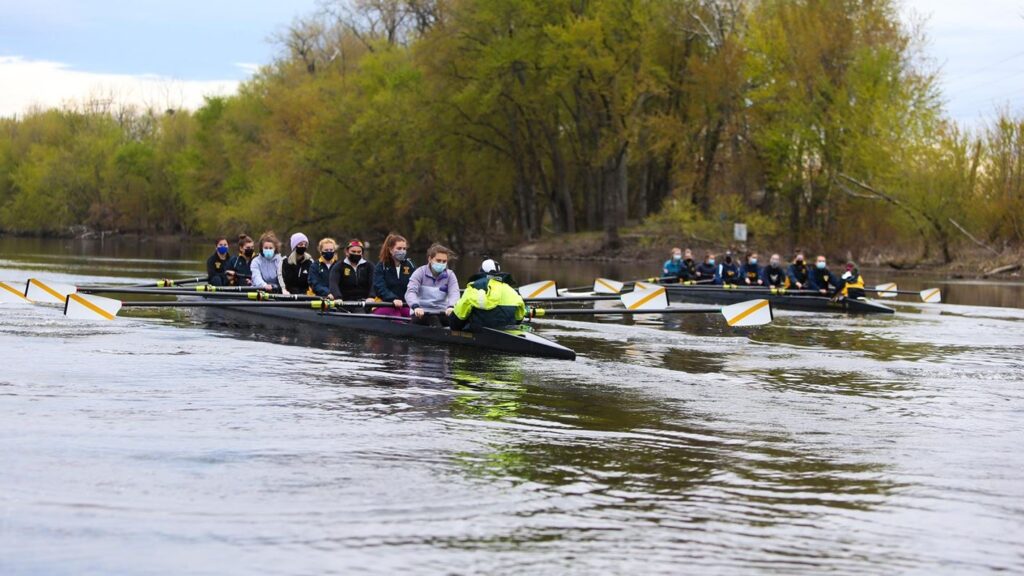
(438, 268)
(222, 250)
(753, 260)
(268, 253)
(820, 265)
(677, 257)
(711, 260)
(399, 255)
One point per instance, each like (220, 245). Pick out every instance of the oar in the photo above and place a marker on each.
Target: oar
(749, 313)
(609, 286)
(55, 293)
(930, 295)
(165, 283)
(93, 307)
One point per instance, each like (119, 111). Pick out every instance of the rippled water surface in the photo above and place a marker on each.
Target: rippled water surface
(173, 442)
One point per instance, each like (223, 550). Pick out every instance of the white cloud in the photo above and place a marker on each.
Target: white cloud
(27, 83)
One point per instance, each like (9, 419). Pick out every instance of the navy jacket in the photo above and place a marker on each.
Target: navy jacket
(798, 273)
(773, 276)
(706, 271)
(320, 276)
(822, 280)
(750, 274)
(390, 283)
(728, 274)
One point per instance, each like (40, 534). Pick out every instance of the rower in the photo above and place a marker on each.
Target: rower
(728, 271)
(851, 283)
(797, 274)
(706, 270)
(433, 289)
(295, 268)
(689, 271)
(672, 270)
(751, 273)
(266, 267)
(773, 274)
(217, 264)
(352, 279)
(391, 276)
(239, 273)
(320, 271)
(489, 301)
(820, 278)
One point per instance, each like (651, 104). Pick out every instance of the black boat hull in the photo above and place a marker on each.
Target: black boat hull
(783, 301)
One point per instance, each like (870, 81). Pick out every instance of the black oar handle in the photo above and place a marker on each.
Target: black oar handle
(543, 312)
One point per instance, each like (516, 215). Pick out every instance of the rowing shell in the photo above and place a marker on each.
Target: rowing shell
(510, 341)
(784, 301)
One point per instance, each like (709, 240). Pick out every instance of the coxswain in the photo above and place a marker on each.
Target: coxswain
(851, 283)
(391, 276)
(320, 271)
(433, 289)
(217, 264)
(352, 279)
(489, 301)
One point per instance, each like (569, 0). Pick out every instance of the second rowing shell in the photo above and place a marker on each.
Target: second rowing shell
(783, 301)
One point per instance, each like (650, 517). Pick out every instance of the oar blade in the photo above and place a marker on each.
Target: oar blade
(643, 286)
(607, 286)
(931, 295)
(50, 292)
(11, 295)
(653, 298)
(90, 307)
(887, 290)
(545, 289)
(749, 313)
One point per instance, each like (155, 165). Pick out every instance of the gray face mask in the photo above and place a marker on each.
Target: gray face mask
(400, 255)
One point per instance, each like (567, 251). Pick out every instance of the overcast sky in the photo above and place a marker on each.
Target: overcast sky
(169, 53)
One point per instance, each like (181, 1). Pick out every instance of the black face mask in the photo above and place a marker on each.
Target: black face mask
(300, 250)
(355, 258)
(328, 255)
(249, 252)
(728, 259)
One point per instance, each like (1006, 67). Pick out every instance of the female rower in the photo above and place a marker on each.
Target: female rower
(352, 278)
(391, 276)
(239, 273)
(217, 264)
(295, 268)
(320, 271)
(433, 289)
(266, 267)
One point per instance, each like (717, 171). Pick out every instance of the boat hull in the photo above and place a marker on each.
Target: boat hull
(782, 301)
(509, 341)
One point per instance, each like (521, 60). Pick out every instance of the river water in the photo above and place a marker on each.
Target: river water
(171, 442)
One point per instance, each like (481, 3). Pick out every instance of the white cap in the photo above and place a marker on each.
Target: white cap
(298, 237)
(490, 266)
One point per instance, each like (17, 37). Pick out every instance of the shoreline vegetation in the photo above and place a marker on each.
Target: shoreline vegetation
(610, 129)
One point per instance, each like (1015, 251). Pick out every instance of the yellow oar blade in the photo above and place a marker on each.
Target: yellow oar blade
(607, 286)
(653, 298)
(545, 289)
(11, 295)
(50, 292)
(749, 313)
(931, 295)
(643, 286)
(89, 307)
(887, 290)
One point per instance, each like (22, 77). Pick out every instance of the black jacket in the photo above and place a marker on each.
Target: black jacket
(351, 282)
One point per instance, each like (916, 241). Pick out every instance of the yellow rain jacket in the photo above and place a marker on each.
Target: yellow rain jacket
(489, 302)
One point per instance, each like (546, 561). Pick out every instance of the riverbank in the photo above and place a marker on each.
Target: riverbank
(587, 246)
